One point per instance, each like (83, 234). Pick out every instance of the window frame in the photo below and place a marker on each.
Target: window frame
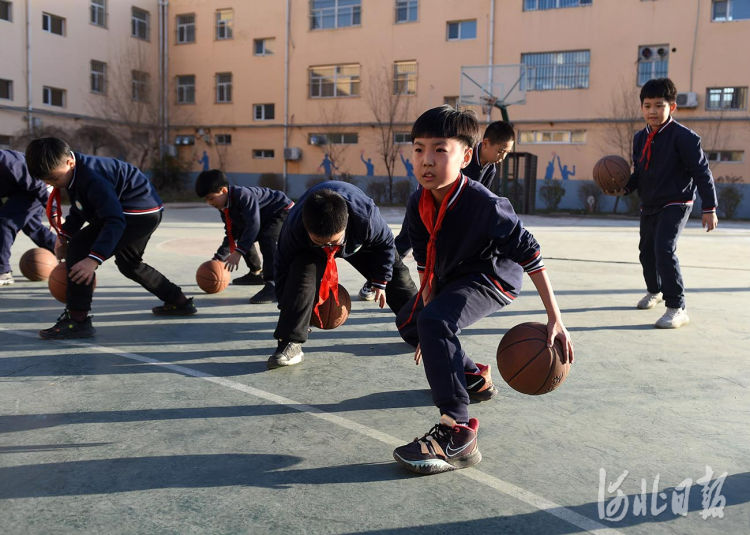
(225, 27)
(405, 79)
(728, 12)
(223, 139)
(48, 19)
(9, 85)
(264, 154)
(185, 89)
(407, 6)
(740, 90)
(97, 10)
(8, 9)
(335, 81)
(98, 78)
(139, 86)
(535, 82)
(337, 14)
(223, 87)
(333, 138)
(48, 93)
(569, 136)
(266, 51)
(719, 153)
(136, 23)
(580, 3)
(187, 28)
(460, 25)
(263, 108)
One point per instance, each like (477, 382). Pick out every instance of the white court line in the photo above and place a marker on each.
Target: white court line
(520, 494)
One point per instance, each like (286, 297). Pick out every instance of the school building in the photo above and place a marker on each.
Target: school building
(283, 92)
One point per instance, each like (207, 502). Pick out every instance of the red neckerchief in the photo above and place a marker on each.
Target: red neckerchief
(228, 220)
(646, 152)
(432, 224)
(54, 210)
(329, 284)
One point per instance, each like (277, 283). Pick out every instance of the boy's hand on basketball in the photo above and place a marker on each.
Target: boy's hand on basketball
(61, 247)
(616, 192)
(555, 329)
(380, 297)
(418, 355)
(82, 272)
(710, 221)
(232, 261)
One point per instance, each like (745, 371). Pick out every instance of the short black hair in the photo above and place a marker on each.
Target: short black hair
(659, 88)
(500, 132)
(210, 181)
(45, 154)
(324, 213)
(448, 122)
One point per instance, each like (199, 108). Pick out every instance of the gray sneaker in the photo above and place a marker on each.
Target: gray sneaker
(287, 354)
(649, 301)
(673, 318)
(6, 278)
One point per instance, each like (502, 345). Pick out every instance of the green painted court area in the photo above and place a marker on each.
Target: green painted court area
(176, 426)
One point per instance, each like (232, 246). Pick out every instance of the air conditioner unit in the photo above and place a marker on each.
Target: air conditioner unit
(687, 100)
(292, 153)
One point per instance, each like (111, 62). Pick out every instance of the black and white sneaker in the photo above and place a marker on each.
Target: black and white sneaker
(286, 354)
(447, 446)
(267, 294)
(66, 328)
(251, 279)
(479, 385)
(367, 293)
(6, 278)
(170, 309)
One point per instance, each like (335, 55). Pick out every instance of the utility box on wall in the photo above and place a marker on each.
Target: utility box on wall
(292, 153)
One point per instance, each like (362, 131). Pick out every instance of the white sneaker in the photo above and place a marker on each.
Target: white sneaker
(367, 293)
(673, 318)
(6, 278)
(649, 301)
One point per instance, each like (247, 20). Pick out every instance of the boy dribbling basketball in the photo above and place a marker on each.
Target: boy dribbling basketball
(471, 250)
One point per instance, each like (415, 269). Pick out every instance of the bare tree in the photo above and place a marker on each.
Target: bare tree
(332, 116)
(390, 107)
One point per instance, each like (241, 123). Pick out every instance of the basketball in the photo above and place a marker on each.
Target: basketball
(36, 264)
(527, 364)
(611, 173)
(212, 277)
(58, 282)
(331, 314)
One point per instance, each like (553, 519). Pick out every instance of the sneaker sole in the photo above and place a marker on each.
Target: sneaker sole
(273, 364)
(485, 395)
(263, 302)
(437, 466)
(7, 282)
(368, 298)
(672, 326)
(175, 314)
(649, 306)
(89, 334)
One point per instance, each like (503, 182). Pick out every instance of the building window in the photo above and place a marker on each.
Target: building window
(53, 96)
(184, 140)
(263, 154)
(726, 98)
(336, 138)
(223, 87)
(186, 89)
(726, 10)
(464, 29)
(6, 89)
(557, 70)
(541, 5)
(139, 86)
(224, 24)
(186, 28)
(542, 137)
(402, 138)
(263, 47)
(139, 23)
(326, 14)
(5, 11)
(653, 62)
(263, 112)
(406, 11)
(98, 77)
(98, 13)
(223, 139)
(725, 155)
(53, 24)
(330, 81)
(405, 78)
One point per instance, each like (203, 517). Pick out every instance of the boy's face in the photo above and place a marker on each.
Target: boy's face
(438, 162)
(219, 199)
(495, 152)
(60, 176)
(656, 111)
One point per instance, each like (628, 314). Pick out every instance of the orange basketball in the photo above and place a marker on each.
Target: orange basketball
(611, 173)
(332, 314)
(212, 277)
(36, 264)
(58, 282)
(527, 364)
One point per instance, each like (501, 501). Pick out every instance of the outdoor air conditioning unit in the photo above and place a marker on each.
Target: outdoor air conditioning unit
(292, 153)
(687, 100)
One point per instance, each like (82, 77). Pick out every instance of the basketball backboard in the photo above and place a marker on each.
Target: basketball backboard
(492, 85)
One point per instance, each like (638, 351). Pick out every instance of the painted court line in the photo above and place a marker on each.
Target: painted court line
(520, 494)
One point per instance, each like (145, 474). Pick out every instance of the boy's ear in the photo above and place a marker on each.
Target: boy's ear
(468, 153)
(672, 107)
(223, 190)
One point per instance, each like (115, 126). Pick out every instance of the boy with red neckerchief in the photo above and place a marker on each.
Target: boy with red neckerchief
(471, 251)
(669, 168)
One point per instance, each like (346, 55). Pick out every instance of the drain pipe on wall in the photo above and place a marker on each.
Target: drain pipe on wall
(286, 95)
(491, 55)
(29, 109)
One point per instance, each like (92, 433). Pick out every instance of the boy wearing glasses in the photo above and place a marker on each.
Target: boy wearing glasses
(332, 219)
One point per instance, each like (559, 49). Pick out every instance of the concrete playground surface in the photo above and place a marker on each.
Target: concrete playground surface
(175, 426)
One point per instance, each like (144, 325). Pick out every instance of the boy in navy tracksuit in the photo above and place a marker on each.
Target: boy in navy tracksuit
(332, 219)
(471, 252)
(122, 210)
(249, 214)
(25, 199)
(670, 167)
